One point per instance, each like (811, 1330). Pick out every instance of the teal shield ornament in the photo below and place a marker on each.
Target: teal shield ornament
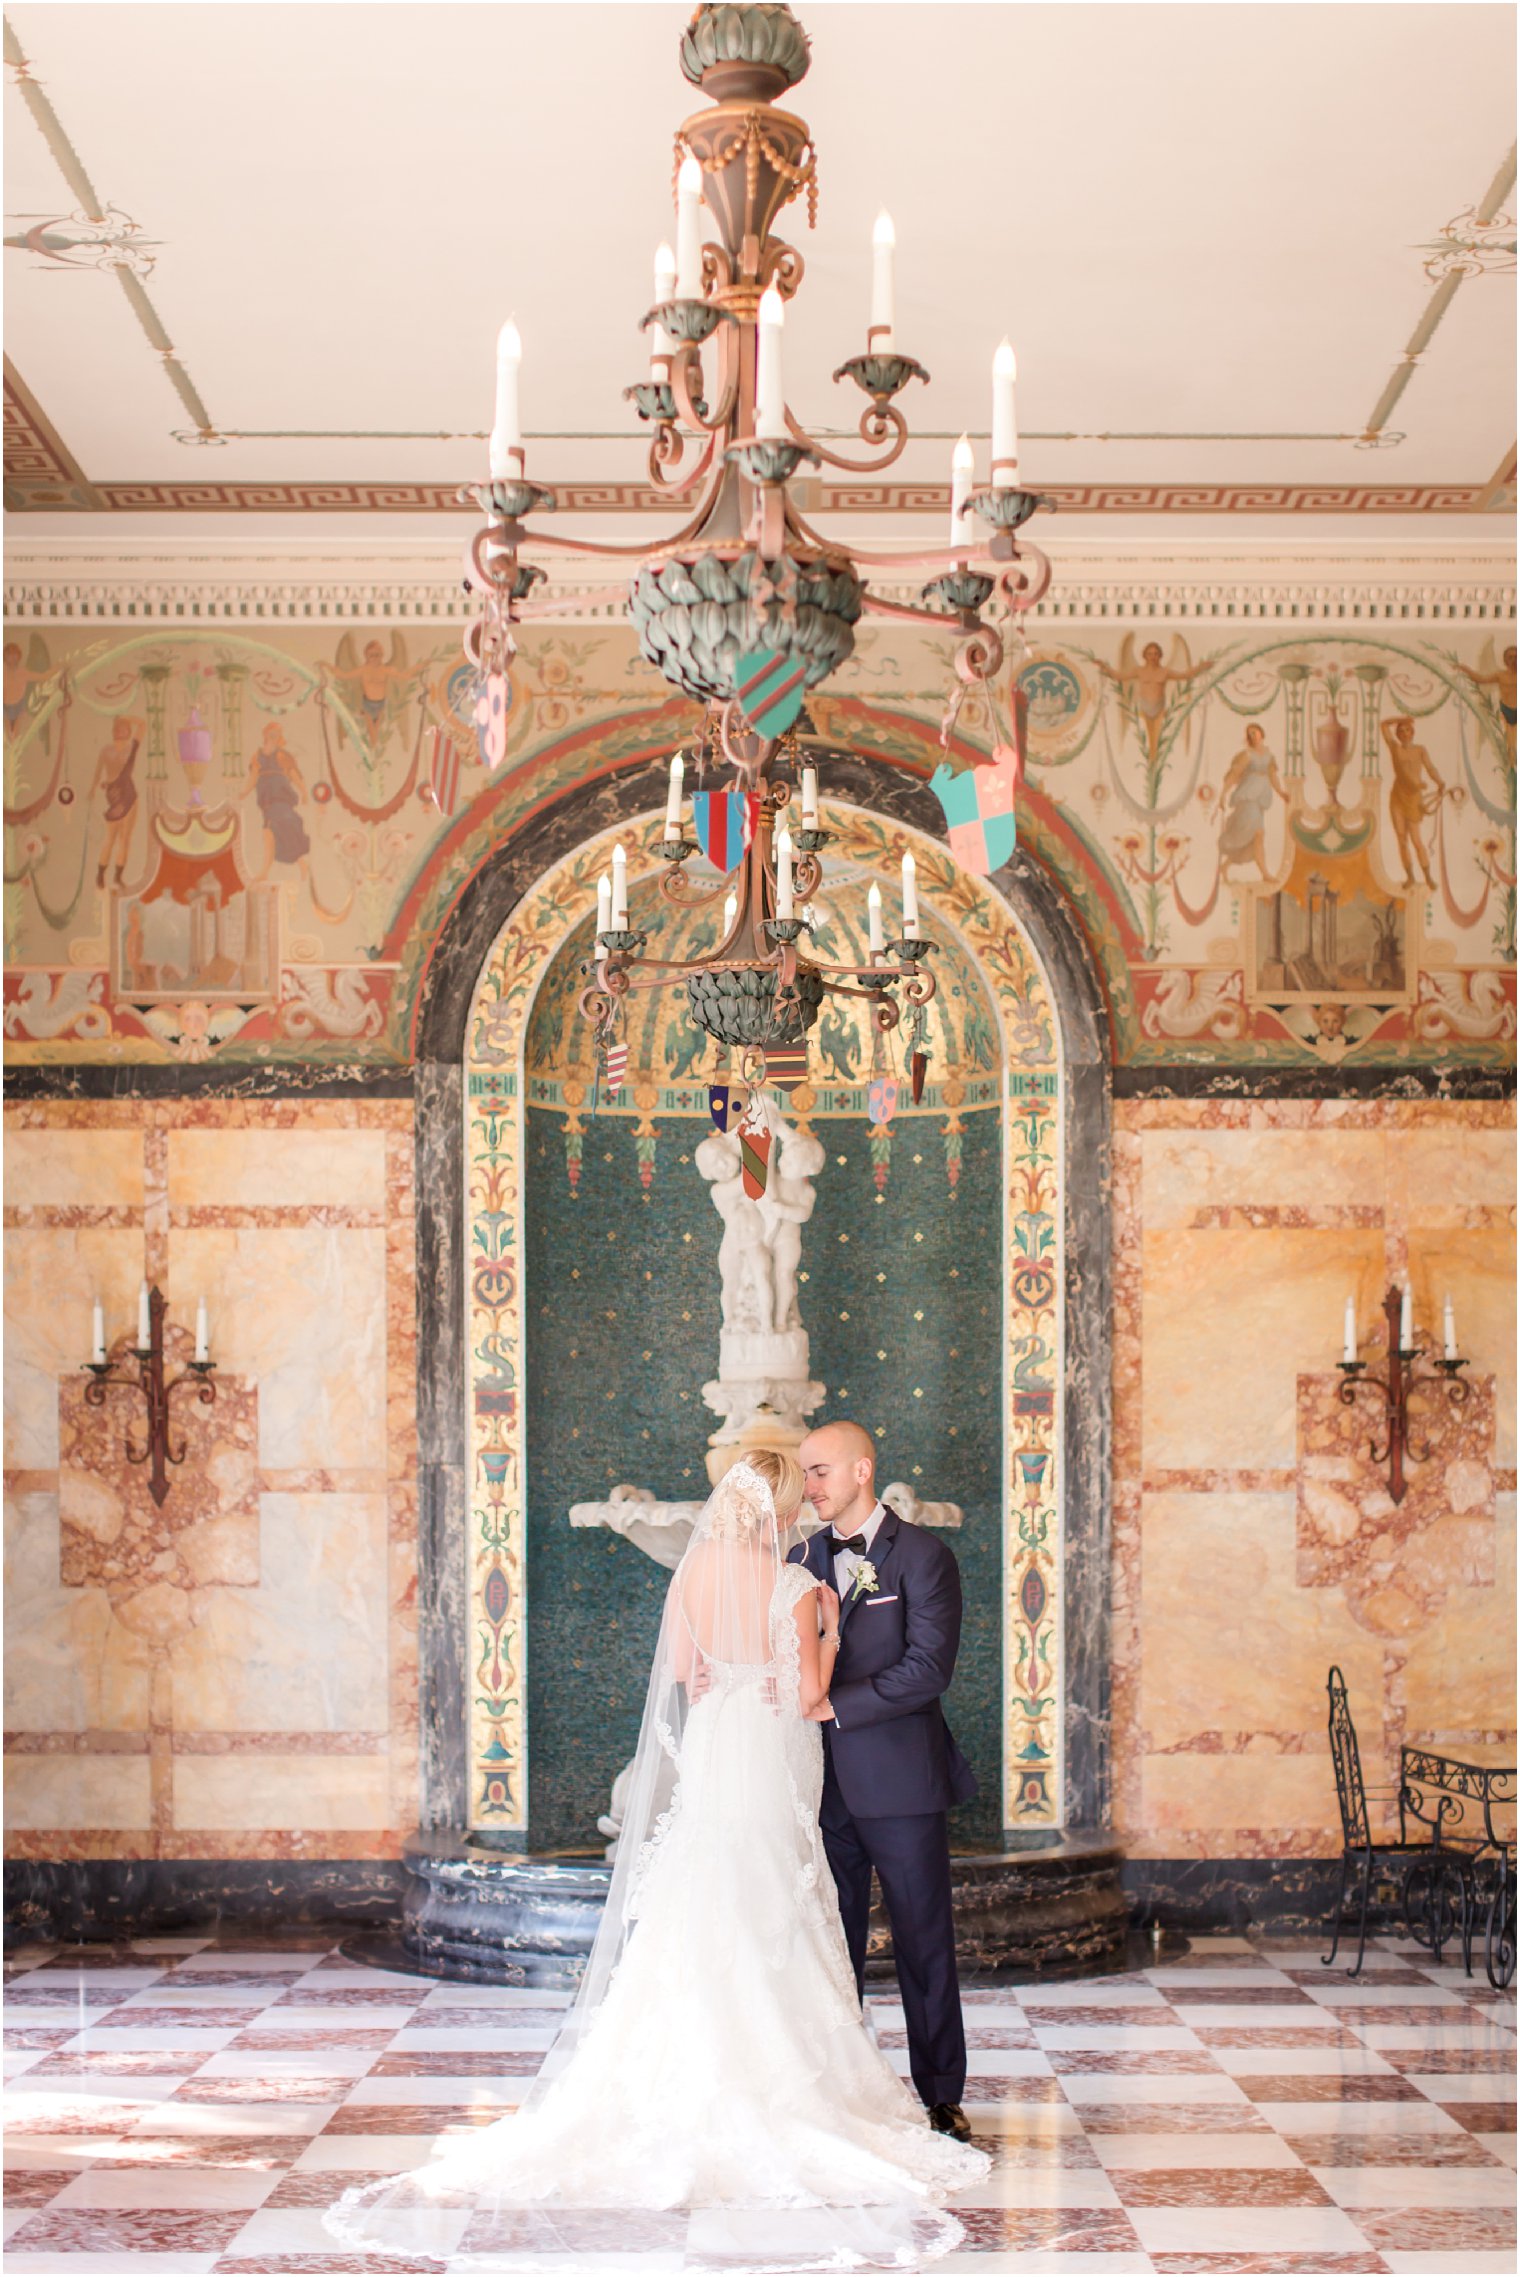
(769, 686)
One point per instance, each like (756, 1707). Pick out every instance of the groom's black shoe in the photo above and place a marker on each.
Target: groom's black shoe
(950, 2119)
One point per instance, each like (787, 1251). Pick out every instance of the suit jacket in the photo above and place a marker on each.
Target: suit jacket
(889, 1748)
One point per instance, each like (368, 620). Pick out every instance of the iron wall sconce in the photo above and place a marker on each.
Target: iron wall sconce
(1397, 1388)
(155, 1390)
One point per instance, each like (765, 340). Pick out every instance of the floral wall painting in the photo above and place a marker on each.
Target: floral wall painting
(1286, 846)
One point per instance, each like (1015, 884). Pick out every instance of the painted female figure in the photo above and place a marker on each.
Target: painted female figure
(1245, 802)
(274, 780)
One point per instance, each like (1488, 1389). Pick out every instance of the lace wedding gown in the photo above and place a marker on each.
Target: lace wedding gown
(724, 2066)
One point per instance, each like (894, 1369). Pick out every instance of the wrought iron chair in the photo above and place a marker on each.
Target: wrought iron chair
(1441, 1889)
(1358, 1850)
(1499, 1941)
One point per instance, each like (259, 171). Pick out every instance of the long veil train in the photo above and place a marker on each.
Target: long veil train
(714, 2099)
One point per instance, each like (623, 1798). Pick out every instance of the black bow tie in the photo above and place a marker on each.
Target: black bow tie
(856, 1542)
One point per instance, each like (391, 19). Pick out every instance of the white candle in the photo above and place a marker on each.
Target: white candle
(1406, 1321)
(962, 473)
(730, 912)
(1349, 1353)
(883, 245)
(910, 898)
(1451, 1331)
(1005, 437)
(784, 875)
(662, 347)
(506, 434)
(673, 797)
(202, 1332)
(98, 1332)
(770, 398)
(603, 904)
(873, 905)
(144, 1319)
(810, 798)
(619, 890)
(689, 231)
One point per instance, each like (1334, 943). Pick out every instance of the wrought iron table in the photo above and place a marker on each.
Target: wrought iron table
(1471, 1855)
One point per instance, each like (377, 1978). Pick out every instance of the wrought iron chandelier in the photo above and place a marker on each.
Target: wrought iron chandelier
(745, 607)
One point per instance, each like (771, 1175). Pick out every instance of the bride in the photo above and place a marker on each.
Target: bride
(715, 2063)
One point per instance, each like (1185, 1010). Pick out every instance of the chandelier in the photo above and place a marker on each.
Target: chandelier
(745, 607)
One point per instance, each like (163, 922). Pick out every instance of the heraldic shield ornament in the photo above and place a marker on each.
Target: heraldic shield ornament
(493, 701)
(726, 1104)
(770, 685)
(724, 824)
(881, 1101)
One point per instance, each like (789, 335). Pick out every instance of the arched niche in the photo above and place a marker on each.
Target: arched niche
(1051, 1362)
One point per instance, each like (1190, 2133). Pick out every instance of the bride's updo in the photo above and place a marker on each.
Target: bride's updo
(782, 1473)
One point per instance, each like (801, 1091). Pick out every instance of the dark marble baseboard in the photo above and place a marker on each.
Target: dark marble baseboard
(83, 1900)
(1278, 1896)
(1204, 1079)
(217, 1078)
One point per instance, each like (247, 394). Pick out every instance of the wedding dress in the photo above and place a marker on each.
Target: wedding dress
(715, 2067)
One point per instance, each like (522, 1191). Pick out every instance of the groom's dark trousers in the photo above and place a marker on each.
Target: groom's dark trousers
(891, 1772)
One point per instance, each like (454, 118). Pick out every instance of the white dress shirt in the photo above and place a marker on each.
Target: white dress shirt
(847, 1563)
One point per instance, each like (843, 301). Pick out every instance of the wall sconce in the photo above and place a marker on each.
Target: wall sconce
(1400, 1382)
(149, 1381)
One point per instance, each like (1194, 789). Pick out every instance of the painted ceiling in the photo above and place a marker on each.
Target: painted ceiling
(1250, 256)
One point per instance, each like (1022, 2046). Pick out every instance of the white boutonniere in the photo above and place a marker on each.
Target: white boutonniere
(865, 1583)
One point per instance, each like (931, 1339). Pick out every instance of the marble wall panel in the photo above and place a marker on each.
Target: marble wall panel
(1254, 1541)
(77, 1793)
(1228, 1312)
(233, 1674)
(1264, 1649)
(307, 1650)
(91, 1171)
(1239, 1806)
(238, 1793)
(70, 1664)
(52, 1277)
(301, 1310)
(213, 1169)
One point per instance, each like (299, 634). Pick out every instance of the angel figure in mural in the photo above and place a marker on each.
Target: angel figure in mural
(1145, 689)
(276, 782)
(1503, 680)
(1245, 800)
(717, 2061)
(1410, 802)
(116, 784)
(380, 685)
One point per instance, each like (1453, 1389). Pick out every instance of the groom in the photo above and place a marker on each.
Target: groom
(891, 1768)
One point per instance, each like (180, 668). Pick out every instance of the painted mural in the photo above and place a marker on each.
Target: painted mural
(995, 1056)
(1286, 846)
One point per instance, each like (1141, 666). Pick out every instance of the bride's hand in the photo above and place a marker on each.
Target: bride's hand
(822, 1714)
(828, 1606)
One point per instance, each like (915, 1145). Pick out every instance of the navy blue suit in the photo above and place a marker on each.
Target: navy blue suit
(891, 1772)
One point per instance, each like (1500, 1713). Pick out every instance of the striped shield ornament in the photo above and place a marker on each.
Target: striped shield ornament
(770, 685)
(754, 1158)
(786, 1065)
(444, 773)
(617, 1067)
(724, 823)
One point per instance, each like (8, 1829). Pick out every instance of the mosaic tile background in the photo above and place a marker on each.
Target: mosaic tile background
(901, 1302)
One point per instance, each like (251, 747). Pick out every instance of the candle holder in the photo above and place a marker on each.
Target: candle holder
(1397, 1388)
(678, 849)
(912, 949)
(621, 943)
(155, 1391)
(881, 372)
(786, 929)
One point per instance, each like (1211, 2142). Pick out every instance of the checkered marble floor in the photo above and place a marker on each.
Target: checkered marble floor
(185, 2105)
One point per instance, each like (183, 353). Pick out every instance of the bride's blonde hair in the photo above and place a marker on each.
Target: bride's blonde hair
(782, 1473)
